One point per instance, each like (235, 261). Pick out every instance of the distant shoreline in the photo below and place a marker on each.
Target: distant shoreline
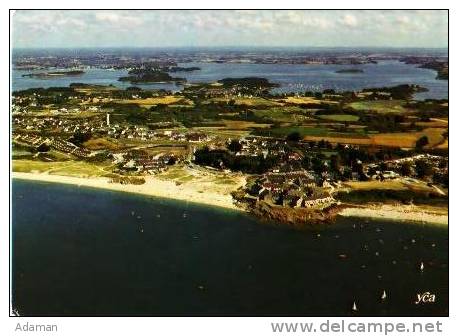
(153, 187)
(166, 189)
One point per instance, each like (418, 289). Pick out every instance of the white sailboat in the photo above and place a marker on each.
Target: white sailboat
(384, 295)
(422, 266)
(354, 308)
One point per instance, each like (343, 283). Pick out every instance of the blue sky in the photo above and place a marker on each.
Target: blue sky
(154, 28)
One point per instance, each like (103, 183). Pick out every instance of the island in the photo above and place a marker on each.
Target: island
(51, 74)
(139, 76)
(350, 71)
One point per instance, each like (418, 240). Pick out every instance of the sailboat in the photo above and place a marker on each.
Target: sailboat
(422, 266)
(354, 307)
(383, 295)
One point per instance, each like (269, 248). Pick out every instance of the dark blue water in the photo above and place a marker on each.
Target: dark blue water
(80, 251)
(291, 77)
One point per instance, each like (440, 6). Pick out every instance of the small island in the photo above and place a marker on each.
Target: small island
(247, 82)
(44, 75)
(138, 76)
(182, 69)
(349, 71)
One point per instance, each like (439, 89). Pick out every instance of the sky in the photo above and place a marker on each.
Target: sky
(209, 28)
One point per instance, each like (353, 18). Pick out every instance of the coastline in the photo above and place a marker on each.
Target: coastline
(167, 189)
(410, 213)
(152, 187)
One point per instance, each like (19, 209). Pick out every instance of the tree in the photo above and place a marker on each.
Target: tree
(234, 146)
(318, 165)
(294, 136)
(335, 162)
(43, 148)
(172, 160)
(423, 168)
(79, 138)
(422, 142)
(405, 169)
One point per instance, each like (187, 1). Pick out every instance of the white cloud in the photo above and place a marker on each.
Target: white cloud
(253, 27)
(349, 20)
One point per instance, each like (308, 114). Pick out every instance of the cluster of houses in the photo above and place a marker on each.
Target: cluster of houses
(69, 148)
(257, 146)
(97, 125)
(60, 145)
(58, 125)
(392, 168)
(32, 140)
(295, 189)
(140, 161)
(142, 133)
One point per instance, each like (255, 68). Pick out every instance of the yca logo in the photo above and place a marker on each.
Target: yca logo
(426, 297)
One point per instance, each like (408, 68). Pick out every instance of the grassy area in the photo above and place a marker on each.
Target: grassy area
(302, 130)
(376, 185)
(379, 106)
(282, 114)
(255, 101)
(391, 190)
(66, 168)
(403, 140)
(100, 143)
(339, 117)
(307, 100)
(148, 102)
(243, 125)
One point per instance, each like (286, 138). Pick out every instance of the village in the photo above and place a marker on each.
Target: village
(135, 133)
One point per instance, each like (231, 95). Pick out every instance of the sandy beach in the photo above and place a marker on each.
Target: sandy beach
(398, 212)
(187, 192)
(152, 187)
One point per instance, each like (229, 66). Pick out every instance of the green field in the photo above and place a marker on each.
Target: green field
(379, 106)
(66, 168)
(302, 130)
(339, 117)
(285, 114)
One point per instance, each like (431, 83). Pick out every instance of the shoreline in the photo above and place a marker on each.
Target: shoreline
(408, 213)
(167, 189)
(152, 187)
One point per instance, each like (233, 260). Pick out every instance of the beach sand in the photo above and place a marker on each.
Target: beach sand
(152, 187)
(411, 213)
(220, 198)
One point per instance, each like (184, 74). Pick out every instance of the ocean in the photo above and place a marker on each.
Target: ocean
(91, 252)
(291, 77)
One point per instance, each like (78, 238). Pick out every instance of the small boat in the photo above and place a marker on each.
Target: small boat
(132, 213)
(422, 266)
(184, 215)
(141, 230)
(383, 295)
(354, 308)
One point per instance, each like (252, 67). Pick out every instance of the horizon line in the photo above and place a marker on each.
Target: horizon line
(232, 46)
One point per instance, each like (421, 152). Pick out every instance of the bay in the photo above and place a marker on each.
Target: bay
(291, 77)
(82, 251)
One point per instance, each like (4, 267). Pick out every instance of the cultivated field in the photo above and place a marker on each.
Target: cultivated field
(379, 106)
